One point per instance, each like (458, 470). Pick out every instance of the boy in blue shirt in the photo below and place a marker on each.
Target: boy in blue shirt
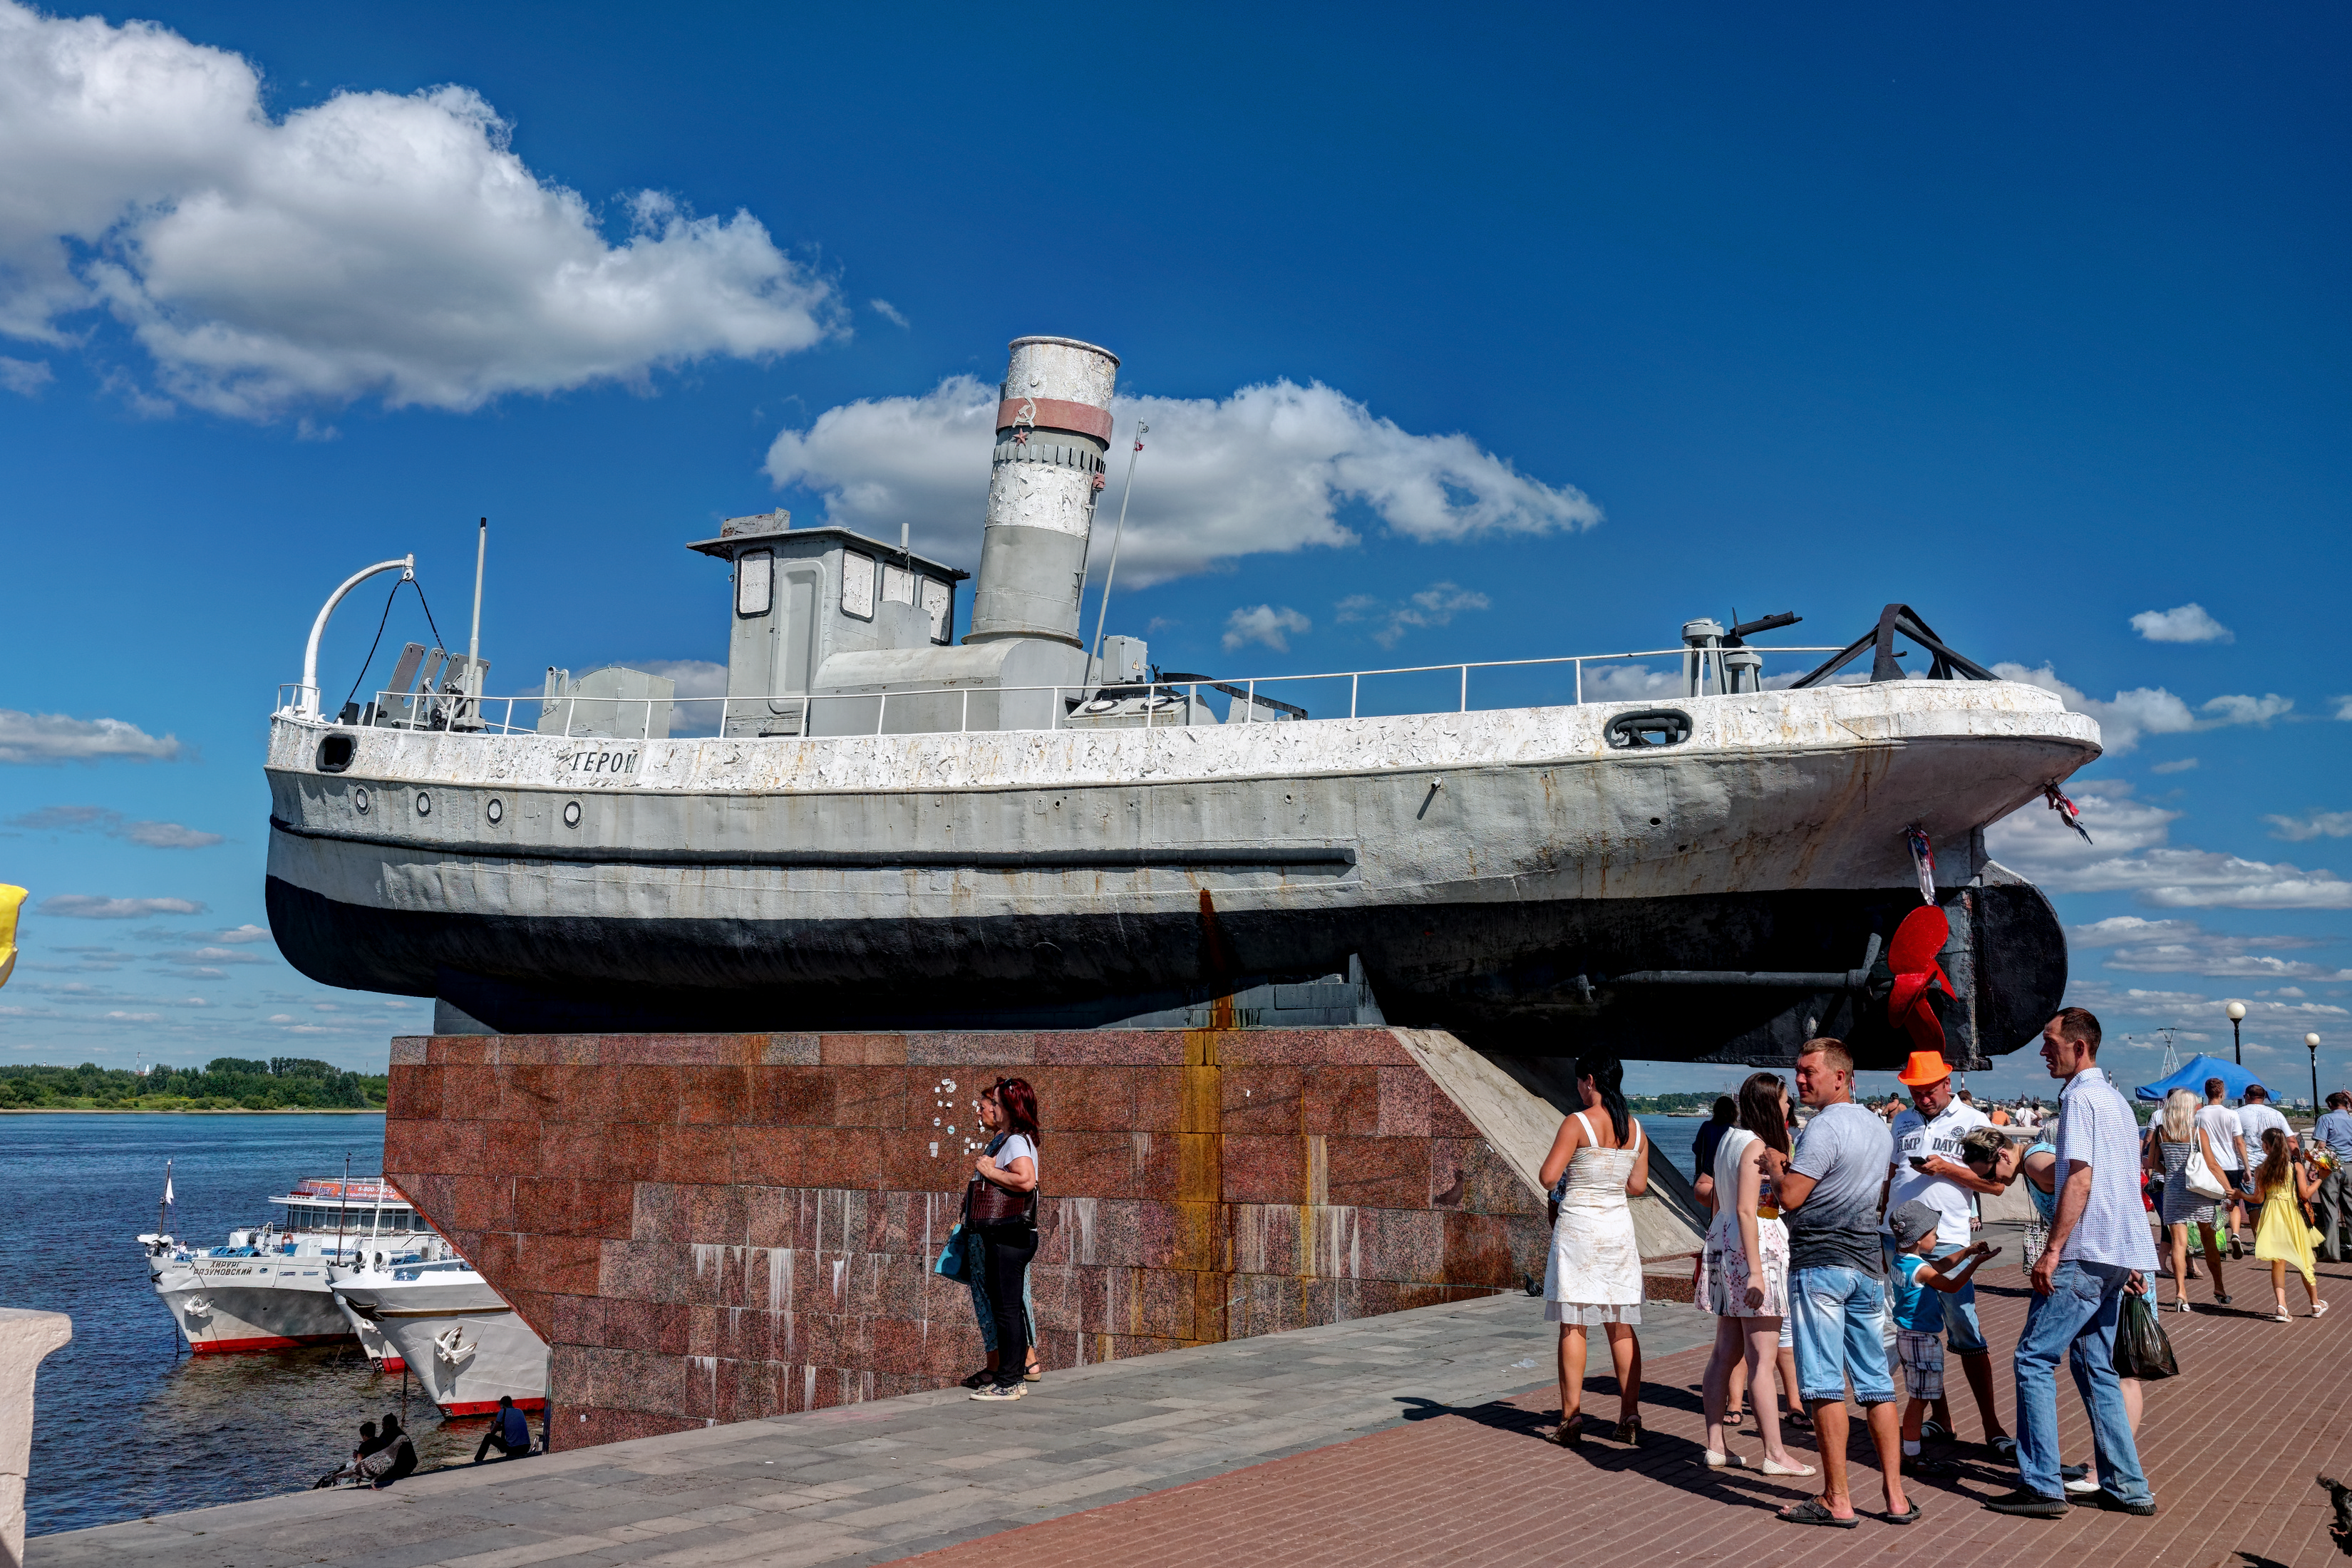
(1920, 1286)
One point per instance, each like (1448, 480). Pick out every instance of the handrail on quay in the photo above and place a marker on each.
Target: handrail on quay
(461, 714)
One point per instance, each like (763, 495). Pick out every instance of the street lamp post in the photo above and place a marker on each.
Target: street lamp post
(2311, 1043)
(2237, 1011)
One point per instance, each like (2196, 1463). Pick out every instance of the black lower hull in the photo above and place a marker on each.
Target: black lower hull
(1527, 978)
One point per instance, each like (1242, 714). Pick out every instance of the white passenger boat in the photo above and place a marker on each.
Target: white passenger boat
(269, 1288)
(465, 1344)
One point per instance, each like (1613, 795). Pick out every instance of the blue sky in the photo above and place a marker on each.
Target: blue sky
(1470, 337)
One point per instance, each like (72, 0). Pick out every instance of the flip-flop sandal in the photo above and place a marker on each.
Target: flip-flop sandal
(1811, 1511)
(1910, 1517)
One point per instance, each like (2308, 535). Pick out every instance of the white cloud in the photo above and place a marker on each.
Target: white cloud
(2247, 710)
(373, 243)
(2163, 1007)
(53, 738)
(1266, 624)
(96, 907)
(2177, 765)
(1267, 469)
(696, 678)
(1434, 605)
(2312, 824)
(2342, 707)
(2148, 709)
(890, 313)
(1630, 682)
(2132, 854)
(2182, 947)
(244, 933)
(100, 819)
(2187, 622)
(214, 955)
(25, 377)
(279, 1018)
(135, 1018)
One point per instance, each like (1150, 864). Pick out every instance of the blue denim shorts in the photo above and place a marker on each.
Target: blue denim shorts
(1963, 1335)
(1840, 1321)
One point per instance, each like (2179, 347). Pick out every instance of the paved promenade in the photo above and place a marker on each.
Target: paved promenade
(881, 1481)
(1409, 1438)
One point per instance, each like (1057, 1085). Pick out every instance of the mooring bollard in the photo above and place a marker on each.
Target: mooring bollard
(24, 1337)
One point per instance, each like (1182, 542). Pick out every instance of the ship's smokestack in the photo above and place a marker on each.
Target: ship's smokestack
(1052, 430)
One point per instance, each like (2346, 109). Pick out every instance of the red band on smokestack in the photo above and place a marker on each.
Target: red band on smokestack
(1054, 413)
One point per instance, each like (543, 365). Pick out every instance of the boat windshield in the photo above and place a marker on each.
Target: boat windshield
(451, 1266)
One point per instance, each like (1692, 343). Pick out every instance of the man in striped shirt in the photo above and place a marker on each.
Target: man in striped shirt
(2098, 1249)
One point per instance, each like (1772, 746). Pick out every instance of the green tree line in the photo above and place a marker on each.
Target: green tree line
(225, 1083)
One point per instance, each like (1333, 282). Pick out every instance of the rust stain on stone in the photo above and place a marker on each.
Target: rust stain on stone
(1203, 1245)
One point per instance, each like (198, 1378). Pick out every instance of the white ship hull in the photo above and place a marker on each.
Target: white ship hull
(1484, 866)
(460, 1339)
(238, 1304)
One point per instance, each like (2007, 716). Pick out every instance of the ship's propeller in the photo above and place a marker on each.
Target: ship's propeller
(1912, 956)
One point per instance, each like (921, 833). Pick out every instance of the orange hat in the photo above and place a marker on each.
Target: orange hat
(1924, 1068)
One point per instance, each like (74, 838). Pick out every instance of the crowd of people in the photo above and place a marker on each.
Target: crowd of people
(1833, 1246)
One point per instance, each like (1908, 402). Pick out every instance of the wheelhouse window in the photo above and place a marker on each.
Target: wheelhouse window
(857, 586)
(755, 582)
(938, 603)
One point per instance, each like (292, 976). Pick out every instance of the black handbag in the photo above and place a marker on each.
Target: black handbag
(2142, 1350)
(988, 1206)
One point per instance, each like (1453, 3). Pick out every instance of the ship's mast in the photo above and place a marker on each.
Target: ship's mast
(343, 1207)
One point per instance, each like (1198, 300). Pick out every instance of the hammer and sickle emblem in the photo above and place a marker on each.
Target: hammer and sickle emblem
(1024, 422)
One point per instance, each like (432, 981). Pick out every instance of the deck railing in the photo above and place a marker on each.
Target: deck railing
(1164, 702)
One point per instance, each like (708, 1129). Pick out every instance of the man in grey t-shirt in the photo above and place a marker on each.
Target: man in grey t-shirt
(1828, 1199)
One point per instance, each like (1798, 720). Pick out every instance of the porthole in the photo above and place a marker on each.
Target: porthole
(424, 804)
(496, 811)
(359, 800)
(571, 813)
(335, 753)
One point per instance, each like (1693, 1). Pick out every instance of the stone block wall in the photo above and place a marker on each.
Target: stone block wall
(722, 1227)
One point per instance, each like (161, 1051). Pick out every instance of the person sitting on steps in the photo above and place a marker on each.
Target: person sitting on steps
(509, 1433)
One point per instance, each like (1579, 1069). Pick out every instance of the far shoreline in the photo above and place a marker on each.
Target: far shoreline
(186, 1110)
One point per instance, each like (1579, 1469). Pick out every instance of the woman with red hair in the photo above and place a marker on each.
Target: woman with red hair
(1001, 1207)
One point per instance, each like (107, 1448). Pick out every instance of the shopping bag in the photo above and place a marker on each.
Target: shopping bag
(954, 1259)
(2200, 1175)
(2141, 1349)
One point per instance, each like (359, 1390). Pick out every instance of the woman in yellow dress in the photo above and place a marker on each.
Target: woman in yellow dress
(2281, 1236)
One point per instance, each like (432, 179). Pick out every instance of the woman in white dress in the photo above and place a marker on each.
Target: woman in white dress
(1744, 1277)
(1598, 1160)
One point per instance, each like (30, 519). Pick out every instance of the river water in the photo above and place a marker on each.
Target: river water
(126, 1423)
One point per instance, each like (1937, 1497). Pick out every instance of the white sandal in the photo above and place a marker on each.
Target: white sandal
(1773, 1467)
(2318, 1308)
(1724, 1460)
(2280, 1316)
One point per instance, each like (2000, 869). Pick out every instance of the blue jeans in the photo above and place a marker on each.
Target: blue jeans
(1839, 1313)
(1962, 1331)
(2078, 1317)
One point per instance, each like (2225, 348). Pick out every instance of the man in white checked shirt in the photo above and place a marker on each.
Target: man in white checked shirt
(2099, 1247)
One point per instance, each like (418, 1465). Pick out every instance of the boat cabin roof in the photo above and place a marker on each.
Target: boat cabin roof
(753, 533)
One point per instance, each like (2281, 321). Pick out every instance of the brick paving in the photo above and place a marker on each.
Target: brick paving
(2231, 1447)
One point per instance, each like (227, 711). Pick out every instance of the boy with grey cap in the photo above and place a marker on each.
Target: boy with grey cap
(1919, 1286)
